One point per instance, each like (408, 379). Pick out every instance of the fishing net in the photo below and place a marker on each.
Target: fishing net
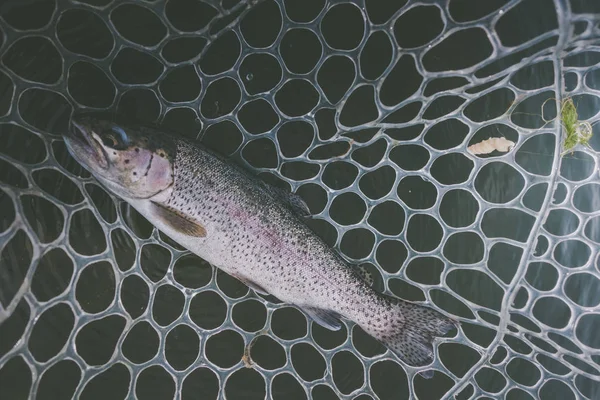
(365, 109)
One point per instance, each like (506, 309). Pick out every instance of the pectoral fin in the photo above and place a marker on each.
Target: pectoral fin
(178, 222)
(328, 319)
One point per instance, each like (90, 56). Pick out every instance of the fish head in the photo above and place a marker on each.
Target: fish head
(132, 161)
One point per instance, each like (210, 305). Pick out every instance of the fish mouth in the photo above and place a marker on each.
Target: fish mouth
(84, 147)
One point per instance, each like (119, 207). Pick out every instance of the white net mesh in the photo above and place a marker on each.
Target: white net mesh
(364, 108)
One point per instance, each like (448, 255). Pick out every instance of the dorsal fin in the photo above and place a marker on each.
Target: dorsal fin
(293, 200)
(364, 274)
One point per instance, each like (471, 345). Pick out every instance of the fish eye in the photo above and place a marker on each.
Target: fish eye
(109, 140)
(120, 134)
(116, 138)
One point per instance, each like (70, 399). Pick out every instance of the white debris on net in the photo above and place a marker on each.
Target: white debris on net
(500, 144)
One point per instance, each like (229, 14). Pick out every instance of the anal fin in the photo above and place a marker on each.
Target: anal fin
(427, 374)
(178, 222)
(254, 286)
(325, 318)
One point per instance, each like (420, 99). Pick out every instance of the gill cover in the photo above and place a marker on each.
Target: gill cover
(132, 161)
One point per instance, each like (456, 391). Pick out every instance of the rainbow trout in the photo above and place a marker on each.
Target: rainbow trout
(246, 228)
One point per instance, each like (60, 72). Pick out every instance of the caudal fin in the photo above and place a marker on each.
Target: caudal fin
(410, 331)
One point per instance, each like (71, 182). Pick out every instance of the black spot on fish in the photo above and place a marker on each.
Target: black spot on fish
(126, 161)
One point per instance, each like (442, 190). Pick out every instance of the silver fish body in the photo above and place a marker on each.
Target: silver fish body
(249, 230)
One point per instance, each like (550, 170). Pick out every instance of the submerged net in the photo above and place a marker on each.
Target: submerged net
(364, 108)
